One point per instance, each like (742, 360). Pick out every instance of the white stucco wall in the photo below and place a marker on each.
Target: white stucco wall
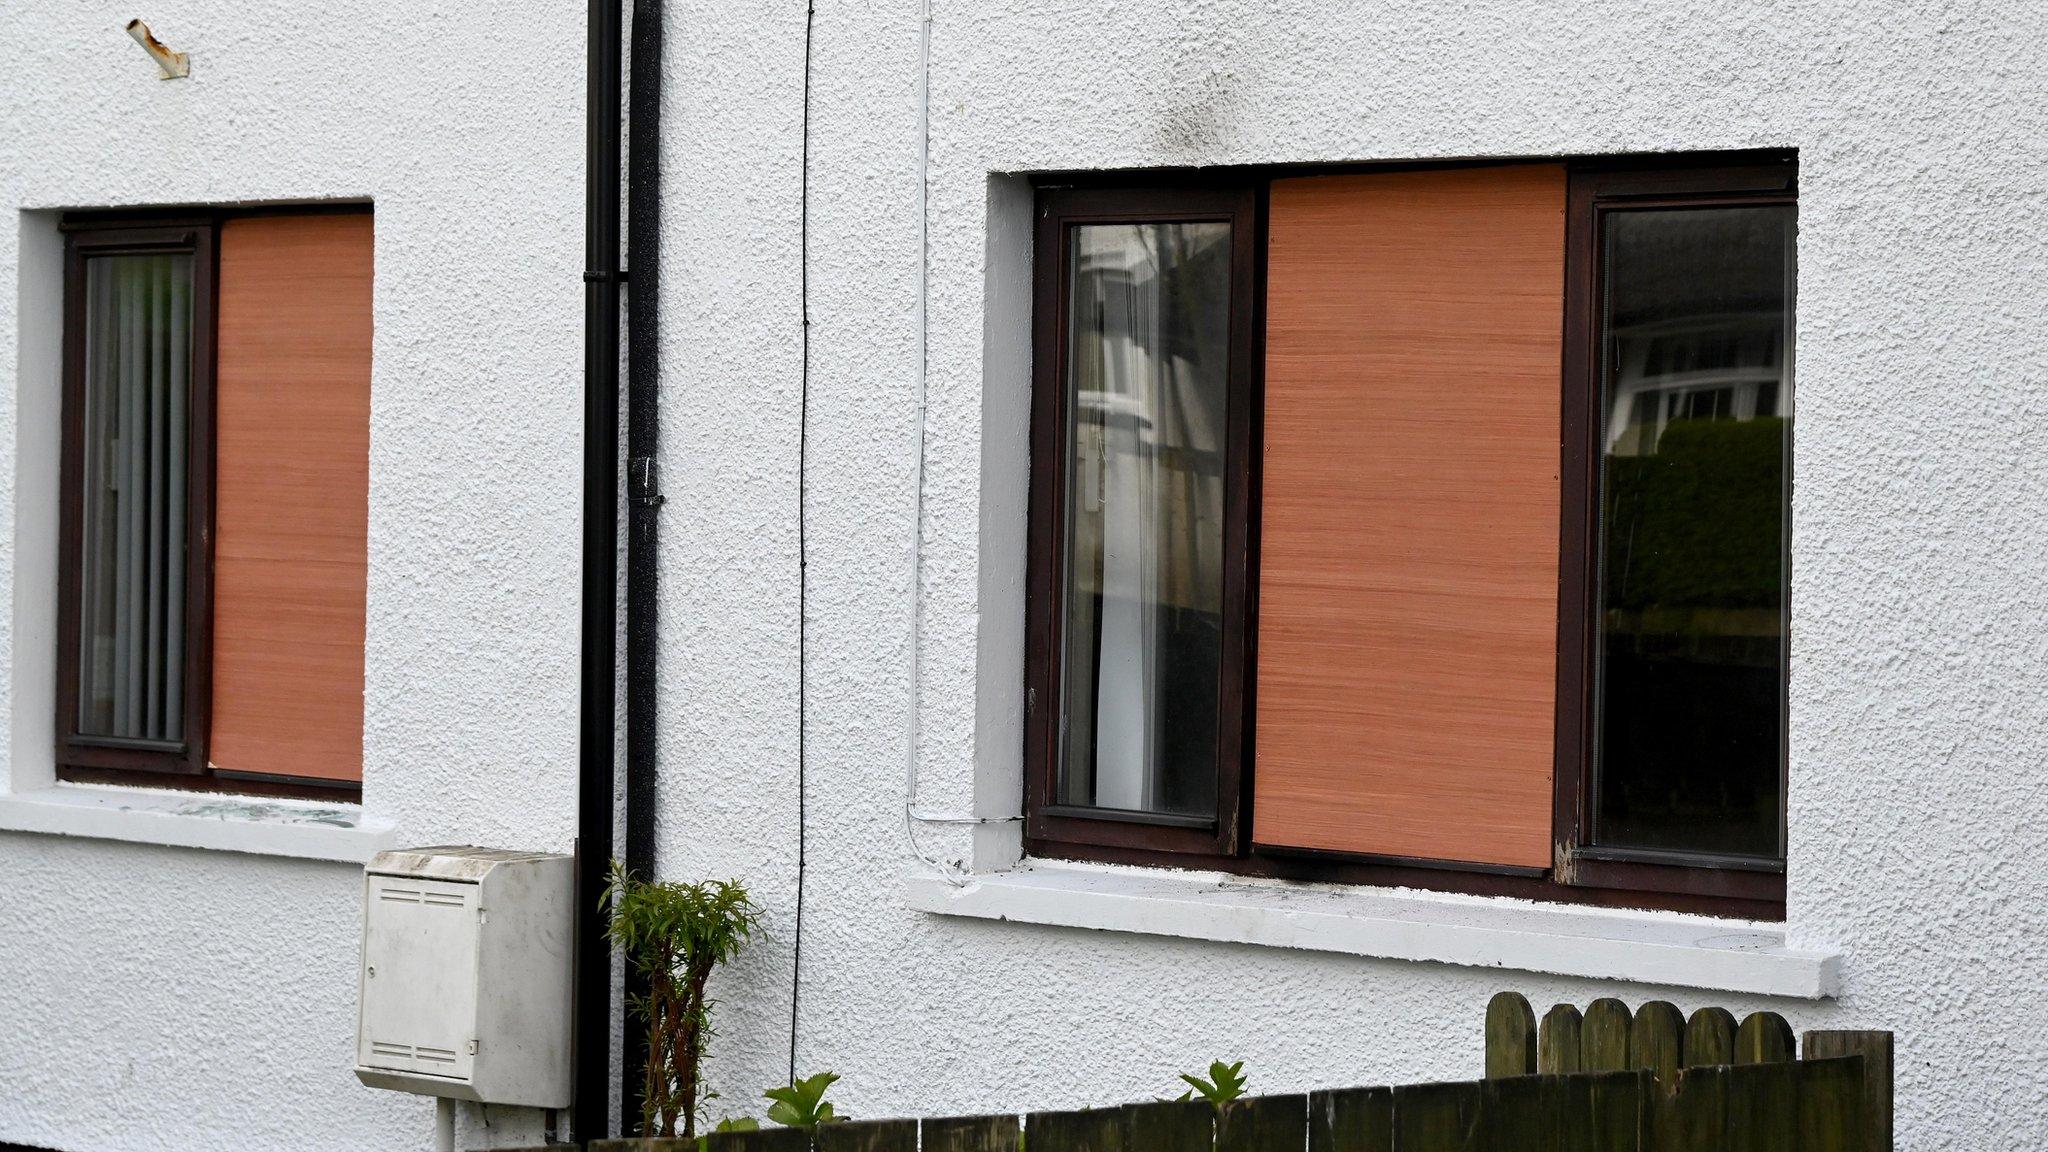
(1922, 462)
(173, 998)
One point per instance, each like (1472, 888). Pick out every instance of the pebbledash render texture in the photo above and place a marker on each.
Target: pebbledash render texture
(198, 991)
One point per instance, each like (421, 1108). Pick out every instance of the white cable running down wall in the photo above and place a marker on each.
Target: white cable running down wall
(911, 816)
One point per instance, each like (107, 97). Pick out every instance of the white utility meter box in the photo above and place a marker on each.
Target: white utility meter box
(465, 975)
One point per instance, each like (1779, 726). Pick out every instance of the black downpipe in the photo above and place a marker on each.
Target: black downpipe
(597, 681)
(643, 490)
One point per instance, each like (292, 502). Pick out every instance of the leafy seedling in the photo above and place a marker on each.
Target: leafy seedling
(1225, 1083)
(802, 1104)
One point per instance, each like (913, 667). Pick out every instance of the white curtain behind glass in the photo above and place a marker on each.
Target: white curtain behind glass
(1148, 340)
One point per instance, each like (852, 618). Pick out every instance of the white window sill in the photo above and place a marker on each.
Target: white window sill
(305, 830)
(1393, 923)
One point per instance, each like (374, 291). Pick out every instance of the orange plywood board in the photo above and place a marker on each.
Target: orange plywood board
(1407, 646)
(291, 503)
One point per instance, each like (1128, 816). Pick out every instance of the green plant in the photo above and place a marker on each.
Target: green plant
(1225, 1083)
(729, 1124)
(674, 935)
(802, 1104)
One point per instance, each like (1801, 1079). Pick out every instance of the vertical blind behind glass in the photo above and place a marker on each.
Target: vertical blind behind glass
(138, 358)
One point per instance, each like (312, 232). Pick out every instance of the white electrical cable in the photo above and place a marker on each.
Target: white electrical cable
(911, 816)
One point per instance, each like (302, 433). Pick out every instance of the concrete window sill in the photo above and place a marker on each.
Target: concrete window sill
(301, 829)
(1394, 924)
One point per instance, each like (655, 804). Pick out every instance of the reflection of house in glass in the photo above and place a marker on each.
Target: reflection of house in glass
(1146, 379)
(1711, 367)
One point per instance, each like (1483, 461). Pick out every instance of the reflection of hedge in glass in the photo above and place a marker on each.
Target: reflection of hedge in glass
(1699, 523)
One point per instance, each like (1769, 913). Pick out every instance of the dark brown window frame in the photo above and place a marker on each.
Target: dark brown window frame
(104, 760)
(97, 758)
(1048, 822)
(1596, 877)
(1593, 192)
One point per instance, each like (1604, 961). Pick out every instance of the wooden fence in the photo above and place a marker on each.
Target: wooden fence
(1603, 1080)
(1704, 1082)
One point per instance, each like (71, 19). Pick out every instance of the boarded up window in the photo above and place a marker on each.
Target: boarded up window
(1408, 559)
(291, 505)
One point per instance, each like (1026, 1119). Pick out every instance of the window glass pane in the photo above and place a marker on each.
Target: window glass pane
(1147, 380)
(131, 574)
(1697, 377)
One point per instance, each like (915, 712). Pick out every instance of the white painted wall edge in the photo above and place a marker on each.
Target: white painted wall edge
(306, 830)
(1394, 924)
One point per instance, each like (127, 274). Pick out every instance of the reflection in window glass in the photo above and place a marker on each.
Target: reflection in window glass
(138, 359)
(1146, 380)
(1697, 377)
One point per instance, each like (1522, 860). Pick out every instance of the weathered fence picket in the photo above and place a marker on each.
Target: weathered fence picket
(1616, 1112)
(1510, 1037)
(764, 1140)
(1437, 1117)
(1558, 1044)
(1089, 1130)
(971, 1134)
(1764, 1038)
(1763, 1108)
(1165, 1126)
(868, 1136)
(1170, 1126)
(1351, 1120)
(1262, 1124)
(1831, 1100)
(1519, 1113)
(1603, 1042)
(1710, 1038)
(1656, 1039)
(1690, 1112)
(1876, 1050)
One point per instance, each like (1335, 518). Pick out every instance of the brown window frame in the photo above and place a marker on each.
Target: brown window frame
(1592, 193)
(108, 760)
(1048, 822)
(1596, 877)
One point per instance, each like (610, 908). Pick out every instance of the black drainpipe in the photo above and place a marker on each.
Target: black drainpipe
(643, 490)
(597, 679)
